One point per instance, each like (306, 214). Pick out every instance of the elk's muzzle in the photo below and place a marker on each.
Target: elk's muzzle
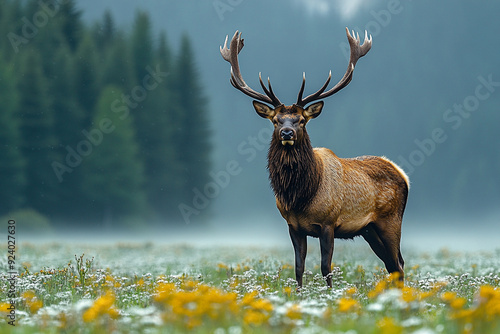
(287, 136)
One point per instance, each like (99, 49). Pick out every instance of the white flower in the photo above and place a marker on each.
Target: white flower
(83, 304)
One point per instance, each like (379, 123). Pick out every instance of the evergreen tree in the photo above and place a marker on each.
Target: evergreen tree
(12, 177)
(107, 31)
(117, 68)
(193, 130)
(155, 121)
(164, 54)
(152, 117)
(55, 159)
(142, 46)
(159, 155)
(71, 24)
(44, 35)
(4, 26)
(85, 77)
(68, 130)
(164, 185)
(37, 124)
(113, 173)
(11, 23)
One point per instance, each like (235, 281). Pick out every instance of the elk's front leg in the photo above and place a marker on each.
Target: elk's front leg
(326, 241)
(299, 242)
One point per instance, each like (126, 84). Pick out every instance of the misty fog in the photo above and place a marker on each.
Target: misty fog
(426, 96)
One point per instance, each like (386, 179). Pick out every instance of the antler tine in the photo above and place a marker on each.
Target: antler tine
(357, 51)
(269, 92)
(314, 96)
(302, 86)
(231, 56)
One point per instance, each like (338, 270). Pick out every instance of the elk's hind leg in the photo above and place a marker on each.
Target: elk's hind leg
(326, 242)
(385, 244)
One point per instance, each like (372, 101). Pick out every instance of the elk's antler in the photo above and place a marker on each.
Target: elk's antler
(231, 55)
(357, 51)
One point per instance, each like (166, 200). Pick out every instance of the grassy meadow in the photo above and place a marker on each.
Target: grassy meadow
(152, 288)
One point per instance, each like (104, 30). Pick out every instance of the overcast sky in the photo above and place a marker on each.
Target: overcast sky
(346, 8)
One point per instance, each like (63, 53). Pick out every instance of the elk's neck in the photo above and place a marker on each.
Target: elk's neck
(293, 172)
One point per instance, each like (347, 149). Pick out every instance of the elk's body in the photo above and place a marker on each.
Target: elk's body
(319, 194)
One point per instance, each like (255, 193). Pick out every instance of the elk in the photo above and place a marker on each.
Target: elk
(318, 193)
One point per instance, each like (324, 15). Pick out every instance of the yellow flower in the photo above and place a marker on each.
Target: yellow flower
(431, 293)
(488, 292)
(448, 296)
(387, 325)
(189, 285)
(110, 280)
(287, 290)
(293, 312)
(262, 305)
(222, 266)
(195, 303)
(255, 318)
(104, 305)
(32, 301)
(187, 303)
(164, 292)
(458, 303)
(28, 295)
(257, 311)
(464, 314)
(379, 288)
(351, 291)
(393, 280)
(489, 301)
(235, 282)
(409, 294)
(4, 307)
(221, 303)
(248, 298)
(348, 305)
(35, 305)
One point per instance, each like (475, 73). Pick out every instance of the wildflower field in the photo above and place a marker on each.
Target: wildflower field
(150, 288)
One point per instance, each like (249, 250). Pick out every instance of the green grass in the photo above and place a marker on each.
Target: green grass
(132, 288)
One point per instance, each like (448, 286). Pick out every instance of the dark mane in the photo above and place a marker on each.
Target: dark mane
(293, 173)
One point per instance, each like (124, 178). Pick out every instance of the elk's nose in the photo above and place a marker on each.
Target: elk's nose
(286, 134)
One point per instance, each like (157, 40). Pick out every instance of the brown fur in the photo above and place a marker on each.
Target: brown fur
(324, 196)
(294, 173)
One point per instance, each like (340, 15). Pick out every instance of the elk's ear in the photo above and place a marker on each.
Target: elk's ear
(313, 110)
(264, 110)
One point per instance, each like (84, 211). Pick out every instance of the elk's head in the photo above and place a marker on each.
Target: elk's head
(289, 121)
